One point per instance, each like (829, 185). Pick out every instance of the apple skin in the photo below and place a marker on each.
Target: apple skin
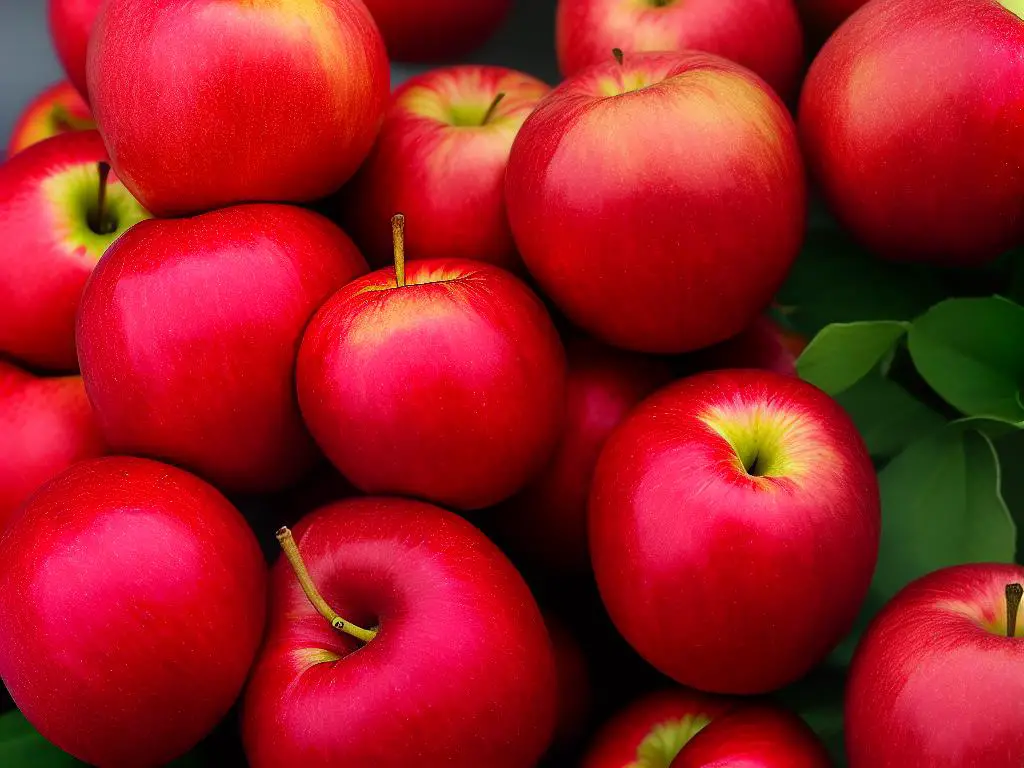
(438, 30)
(47, 425)
(461, 673)
(449, 389)
(58, 109)
(71, 22)
(936, 661)
(763, 35)
(763, 345)
(273, 100)
(688, 545)
(132, 597)
(188, 334)
(823, 17)
(905, 123)
(662, 219)
(438, 164)
(47, 193)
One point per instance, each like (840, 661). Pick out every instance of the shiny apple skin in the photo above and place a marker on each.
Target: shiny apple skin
(461, 674)
(450, 389)
(46, 425)
(727, 581)
(270, 101)
(440, 30)
(58, 109)
(763, 345)
(755, 737)
(71, 22)
(663, 219)
(951, 691)
(763, 35)
(132, 597)
(188, 335)
(908, 121)
(448, 179)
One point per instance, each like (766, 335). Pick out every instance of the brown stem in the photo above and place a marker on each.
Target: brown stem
(291, 551)
(1014, 593)
(490, 110)
(398, 237)
(619, 57)
(101, 225)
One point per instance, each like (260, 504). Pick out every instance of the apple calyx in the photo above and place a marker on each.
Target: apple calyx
(494, 105)
(398, 238)
(619, 55)
(100, 223)
(1014, 593)
(291, 552)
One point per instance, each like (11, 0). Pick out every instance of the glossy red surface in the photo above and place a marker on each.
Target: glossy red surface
(460, 675)
(271, 100)
(755, 737)
(439, 30)
(132, 597)
(724, 580)
(763, 345)
(58, 109)
(71, 22)
(438, 164)
(451, 388)
(661, 219)
(188, 336)
(934, 683)
(910, 124)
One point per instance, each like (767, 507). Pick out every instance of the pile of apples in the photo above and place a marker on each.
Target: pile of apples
(563, 343)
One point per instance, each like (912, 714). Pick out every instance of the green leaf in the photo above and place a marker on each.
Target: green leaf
(1011, 453)
(21, 746)
(888, 417)
(844, 353)
(971, 352)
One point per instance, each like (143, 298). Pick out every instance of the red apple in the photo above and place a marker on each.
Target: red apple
(438, 30)
(440, 158)
(188, 334)
(734, 529)
(659, 203)
(59, 213)
(764, 345)
(548, 518)
(448, 662)
(908, 122)
(441, 379)
(58, 109)
(132, 597)
(762, 35)
(938, 680)
(274, 100)
(46, 425)
(71, 22)
(755, 737)
(823, 17)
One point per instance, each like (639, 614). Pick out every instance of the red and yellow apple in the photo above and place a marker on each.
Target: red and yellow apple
(58, 109)
(754, 737)
(440, 159)
(415, 30)
(734, 529)
(269, 100)
(659, 202)
(71, 23)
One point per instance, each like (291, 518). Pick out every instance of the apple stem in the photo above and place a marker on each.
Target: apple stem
(101, 226)
(619, 57)
(398, 237)
(291, 551)
(1014, 593)
(494, 105)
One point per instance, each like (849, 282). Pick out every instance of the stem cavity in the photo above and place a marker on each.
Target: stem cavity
(619, 56)
(398, 237)
(1014, 593)
(490, 110)
(100, 223)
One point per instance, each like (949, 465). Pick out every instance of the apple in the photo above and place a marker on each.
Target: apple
(273, 100)
(659, 202)
(938, 679)
(188, 334)
(440, 159)
(71, 22)
(441, 29)
(734, 529)
(764, 345)
(132, 597)
(441, 379)
(59, 212)
(762, 35)
(906, 120)
(755, 737)
(58, 109)
(447, 661)
(46, 426)
(823, 17)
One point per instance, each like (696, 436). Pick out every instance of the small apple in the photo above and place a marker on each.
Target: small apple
(440, 158)
(763, 345)
(441, 379)
(46, 425)
(274, 100)
(762, 35)
(447, 662)
(823, 17)
(755, 737)
(188, 334)
(734, 528)
(938, 679)
(59, 212)
(908, 124)
(660, 201)
(132, 600)
(71, 22)
(58, 109)
(438, 30)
